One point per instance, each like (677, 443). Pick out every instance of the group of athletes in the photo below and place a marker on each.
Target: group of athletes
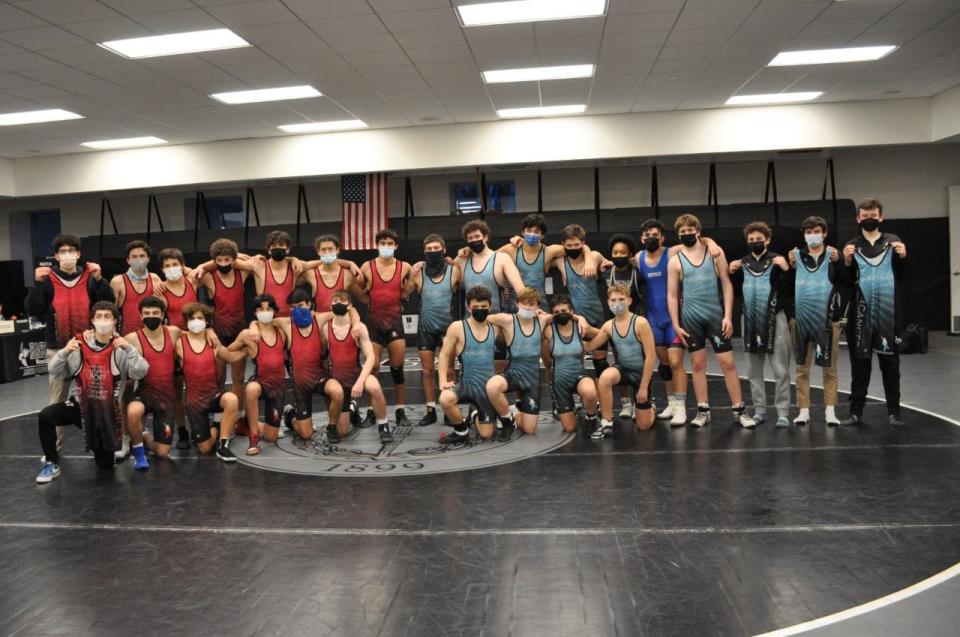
(140, 345)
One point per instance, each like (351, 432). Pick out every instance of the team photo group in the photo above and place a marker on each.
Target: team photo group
(143, 362)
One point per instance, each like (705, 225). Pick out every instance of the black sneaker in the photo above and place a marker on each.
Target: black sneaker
(402, 420)
(332, 436)
(853, 420)
(429, 419)
(386, 437)
(896, 421)
(369, 421)
(354, 413)
(288, 413)
(453, 438)
(224, 453)
(506, 432)
(183, 438)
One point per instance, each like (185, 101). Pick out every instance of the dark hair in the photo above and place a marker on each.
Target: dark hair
(70, 240)
(757, 226)
(170, 253)
(814, 222)
(434, 238)
(387, 233)
(561, 299)
(137, 243)
(473, 226)
(651, 224)
(192, 308)
(152, 301)
(573, 231)
(105, 305)
(623, 238)
(278, 237)
(478, 293)
(223, 248)
(534, 220)
(299, 295)
(870, 203)
(264, 298)
(324, 238)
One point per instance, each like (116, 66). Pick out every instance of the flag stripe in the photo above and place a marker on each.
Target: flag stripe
(364, 209)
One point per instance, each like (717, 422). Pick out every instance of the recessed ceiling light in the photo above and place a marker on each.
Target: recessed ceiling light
(267, 95)
(542, 111)
(36, 117)
(773, 98)
(472, 15)
(538, 73)
(127, 142)
(323, 127)
(831, 56)
(176, 43)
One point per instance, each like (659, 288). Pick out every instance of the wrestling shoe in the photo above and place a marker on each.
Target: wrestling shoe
(140, 462)
(224, 453)
(626, 409)
(453, 438)
(429, 419)
(702, 419)
(253, 447)
(401, 416)
(386, 437)
(183, 438)
(333, 436)
(603, 430)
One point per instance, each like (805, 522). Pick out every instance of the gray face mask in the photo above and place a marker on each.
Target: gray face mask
(618, 309)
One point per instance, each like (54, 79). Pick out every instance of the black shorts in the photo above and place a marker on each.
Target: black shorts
(500, 349)
(303, 398)
(199, 417)
(272, 404)
(701, 333)
(481, 403)
(162, 419)
(629, 377)
(528, 395)
(563, 395)
(429, 341)
(384, 335)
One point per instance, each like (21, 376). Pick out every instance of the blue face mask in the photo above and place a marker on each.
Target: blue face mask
(531, 239)
(386, 252)
(301, 316)
(328, 258)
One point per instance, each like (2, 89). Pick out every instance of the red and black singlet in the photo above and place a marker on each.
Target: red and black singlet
(344, 357)
(306, 357)
(385, 297)
(228, 319)
(175, 304)
(322, 301)
(157, 386)
(130, 310)
(270, 363)
(71, 305)
(279, 290)
(97, 382)
(199, 374)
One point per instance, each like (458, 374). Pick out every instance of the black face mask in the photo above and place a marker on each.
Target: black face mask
(562, 318)
(278, 254)
(620, 262)
(870, 224)
(340, 309)
(152, 322)
(434, 260)
(225, 269)
(757, 247)
(477, 246)
(480, 315)
(574, 253)
(688, 240)
(652, 244)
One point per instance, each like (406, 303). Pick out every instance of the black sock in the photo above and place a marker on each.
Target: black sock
(506, 421)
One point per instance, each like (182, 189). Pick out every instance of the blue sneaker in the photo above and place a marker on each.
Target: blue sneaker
(783, 422)
(48, 473)
(140, 462)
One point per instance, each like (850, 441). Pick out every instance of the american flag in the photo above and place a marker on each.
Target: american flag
(364, 209)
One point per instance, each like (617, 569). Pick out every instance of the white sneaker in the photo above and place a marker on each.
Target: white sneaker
(604, 430)
(124, 451)
(702, 419)
(626, 408)
(679, 418)
(745, 420)
(667, 411)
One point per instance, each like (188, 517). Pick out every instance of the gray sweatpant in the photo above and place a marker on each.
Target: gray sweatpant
(780, 365)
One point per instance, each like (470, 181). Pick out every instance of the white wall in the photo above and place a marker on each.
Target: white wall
(954, 257)
(912, 181)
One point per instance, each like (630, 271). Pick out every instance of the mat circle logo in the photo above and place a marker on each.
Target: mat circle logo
(414, 451)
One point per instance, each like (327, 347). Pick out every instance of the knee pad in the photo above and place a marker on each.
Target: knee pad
(397, 374)
(666, 374)
(643, 406)
(600, 364)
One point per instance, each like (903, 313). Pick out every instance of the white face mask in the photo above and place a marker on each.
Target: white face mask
(328, 259)
(139, 265)
(67, 261)
(103, 326)
(814, 240)
(526, 314)
(265, 316)
(385, 252)
(173, 273)
(618, 308)
(196, 325)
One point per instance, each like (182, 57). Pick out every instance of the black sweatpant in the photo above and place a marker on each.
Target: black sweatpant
(64, 414)
(860, 369)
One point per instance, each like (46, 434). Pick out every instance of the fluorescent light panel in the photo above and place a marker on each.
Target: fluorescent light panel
(472, 15)
(127, 142)
(36, 117)
(831, 56)
(267, 95)
(542, 111)
(323, 127)
(773, 98)
(538, 73)
(175, 43)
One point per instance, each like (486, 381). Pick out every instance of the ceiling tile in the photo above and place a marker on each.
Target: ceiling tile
(105, 30)
(13, 18)
(565, 91)
(405, 21)
(179, 21)
(431, 38)
(146, 7)
(640, 22)
(25, 61)
(278, 33)
(66, 11)
(440, 54)
(324, 9)
(514, 95)
(712, 17)
(42, 38)
(499, 33)
(635, 40)
(348, 25)
(252, 13)
(620, 7)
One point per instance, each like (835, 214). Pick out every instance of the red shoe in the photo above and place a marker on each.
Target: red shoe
(254, 447)
(241, 428)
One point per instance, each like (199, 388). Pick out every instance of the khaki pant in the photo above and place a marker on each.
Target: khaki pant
(829, 373)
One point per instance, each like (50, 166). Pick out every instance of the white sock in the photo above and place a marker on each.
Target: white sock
(804, 415)
(830, 413)
(381, 421)
(432, 405)
(137, 445)
(606, 423)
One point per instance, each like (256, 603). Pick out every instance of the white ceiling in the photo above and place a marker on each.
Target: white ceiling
(408, 62)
